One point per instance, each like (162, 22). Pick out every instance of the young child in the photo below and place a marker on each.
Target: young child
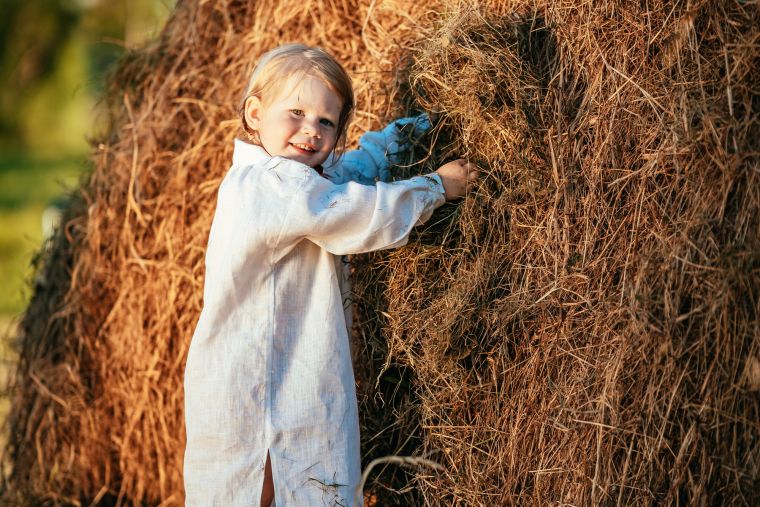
(270, 401)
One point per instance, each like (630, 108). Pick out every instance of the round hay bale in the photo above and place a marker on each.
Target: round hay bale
(584, 329)
(588, 332)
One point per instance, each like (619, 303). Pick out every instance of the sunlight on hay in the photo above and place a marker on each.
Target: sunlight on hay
(583, 329)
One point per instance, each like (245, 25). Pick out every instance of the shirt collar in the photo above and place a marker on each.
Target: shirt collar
(251, 154)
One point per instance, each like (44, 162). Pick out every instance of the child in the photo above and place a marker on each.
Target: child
(270, 404)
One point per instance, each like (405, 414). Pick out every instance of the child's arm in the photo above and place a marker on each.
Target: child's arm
(354, 218)
(377, 151)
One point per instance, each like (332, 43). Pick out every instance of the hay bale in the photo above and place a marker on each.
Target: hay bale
(584, 330)
(584, 334)
(97, 414)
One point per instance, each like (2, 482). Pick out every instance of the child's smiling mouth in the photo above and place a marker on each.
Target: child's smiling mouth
(304, 147)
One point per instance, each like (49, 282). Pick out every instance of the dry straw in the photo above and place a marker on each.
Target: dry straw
(582, 330)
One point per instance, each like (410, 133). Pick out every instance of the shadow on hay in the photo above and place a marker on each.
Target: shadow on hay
(450, 287)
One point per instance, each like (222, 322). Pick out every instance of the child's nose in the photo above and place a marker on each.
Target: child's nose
(310, 128)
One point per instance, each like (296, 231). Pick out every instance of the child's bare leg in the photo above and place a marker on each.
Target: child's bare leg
(267, 494)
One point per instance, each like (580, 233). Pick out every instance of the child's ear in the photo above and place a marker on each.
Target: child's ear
(252, 111)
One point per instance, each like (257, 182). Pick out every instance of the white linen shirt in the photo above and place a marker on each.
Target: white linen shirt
(269, 365)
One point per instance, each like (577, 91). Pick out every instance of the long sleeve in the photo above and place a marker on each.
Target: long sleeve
(377, 150)
(353, 218)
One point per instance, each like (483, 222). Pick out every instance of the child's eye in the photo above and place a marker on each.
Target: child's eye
(326, 122)
(297, 112)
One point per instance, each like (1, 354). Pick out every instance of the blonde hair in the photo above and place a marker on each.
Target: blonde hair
(299, 60)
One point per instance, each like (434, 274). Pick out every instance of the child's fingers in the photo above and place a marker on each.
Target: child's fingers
(472, 170)
(472, 175)
(460, 177)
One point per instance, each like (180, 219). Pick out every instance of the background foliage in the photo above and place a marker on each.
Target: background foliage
(55, 55)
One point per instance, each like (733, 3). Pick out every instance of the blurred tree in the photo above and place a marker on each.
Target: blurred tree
(33, 35)
(55, 53)
(53, 59)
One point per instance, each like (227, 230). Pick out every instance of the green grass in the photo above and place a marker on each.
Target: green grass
(27, 187)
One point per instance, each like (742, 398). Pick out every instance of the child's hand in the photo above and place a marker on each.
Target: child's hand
(458, 177)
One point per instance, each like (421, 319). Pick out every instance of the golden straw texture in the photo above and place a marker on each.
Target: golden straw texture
(583, 329)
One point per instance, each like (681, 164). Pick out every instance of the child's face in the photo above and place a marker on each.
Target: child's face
(300, 123)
